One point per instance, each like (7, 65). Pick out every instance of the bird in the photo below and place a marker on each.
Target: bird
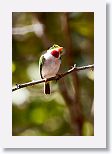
(49, 64)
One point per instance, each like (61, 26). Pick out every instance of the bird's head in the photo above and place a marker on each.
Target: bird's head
(56, 50)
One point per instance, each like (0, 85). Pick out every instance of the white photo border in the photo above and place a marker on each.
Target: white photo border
(99, 138)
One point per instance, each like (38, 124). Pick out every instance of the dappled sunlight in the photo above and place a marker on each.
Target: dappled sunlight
(21, 97)
(13, 67)
(90, 75)
(33, 72)
(53, 124)
(87, 129)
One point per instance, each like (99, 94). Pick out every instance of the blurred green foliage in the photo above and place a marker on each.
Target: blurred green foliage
(34, 113)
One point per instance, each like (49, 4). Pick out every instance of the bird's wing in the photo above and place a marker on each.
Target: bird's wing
(41, 62)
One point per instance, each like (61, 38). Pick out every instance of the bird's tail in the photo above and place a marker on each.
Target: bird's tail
(46, 88)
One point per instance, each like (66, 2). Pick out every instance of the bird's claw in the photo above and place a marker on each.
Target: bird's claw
(58, 76)
(45, 79)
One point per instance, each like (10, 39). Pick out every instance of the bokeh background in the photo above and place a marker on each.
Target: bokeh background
(69, 109)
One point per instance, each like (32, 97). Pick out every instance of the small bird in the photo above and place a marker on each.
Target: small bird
(49, 64)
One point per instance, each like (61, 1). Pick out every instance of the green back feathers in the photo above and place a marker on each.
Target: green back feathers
(41, 62)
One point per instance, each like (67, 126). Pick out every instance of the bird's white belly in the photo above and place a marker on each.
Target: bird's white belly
(50, 67)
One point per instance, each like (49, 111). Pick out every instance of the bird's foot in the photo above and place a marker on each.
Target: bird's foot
(58, 76)
(45, 79)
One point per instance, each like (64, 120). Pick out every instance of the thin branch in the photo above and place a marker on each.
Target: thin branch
(57, 77)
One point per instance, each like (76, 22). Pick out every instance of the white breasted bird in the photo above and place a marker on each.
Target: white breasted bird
(49, 64)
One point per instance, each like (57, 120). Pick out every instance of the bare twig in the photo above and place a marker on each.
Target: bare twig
(57, 77)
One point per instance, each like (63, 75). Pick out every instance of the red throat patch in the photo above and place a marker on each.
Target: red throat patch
(55, 53)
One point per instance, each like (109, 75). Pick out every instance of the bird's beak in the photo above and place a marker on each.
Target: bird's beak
(60, 49)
